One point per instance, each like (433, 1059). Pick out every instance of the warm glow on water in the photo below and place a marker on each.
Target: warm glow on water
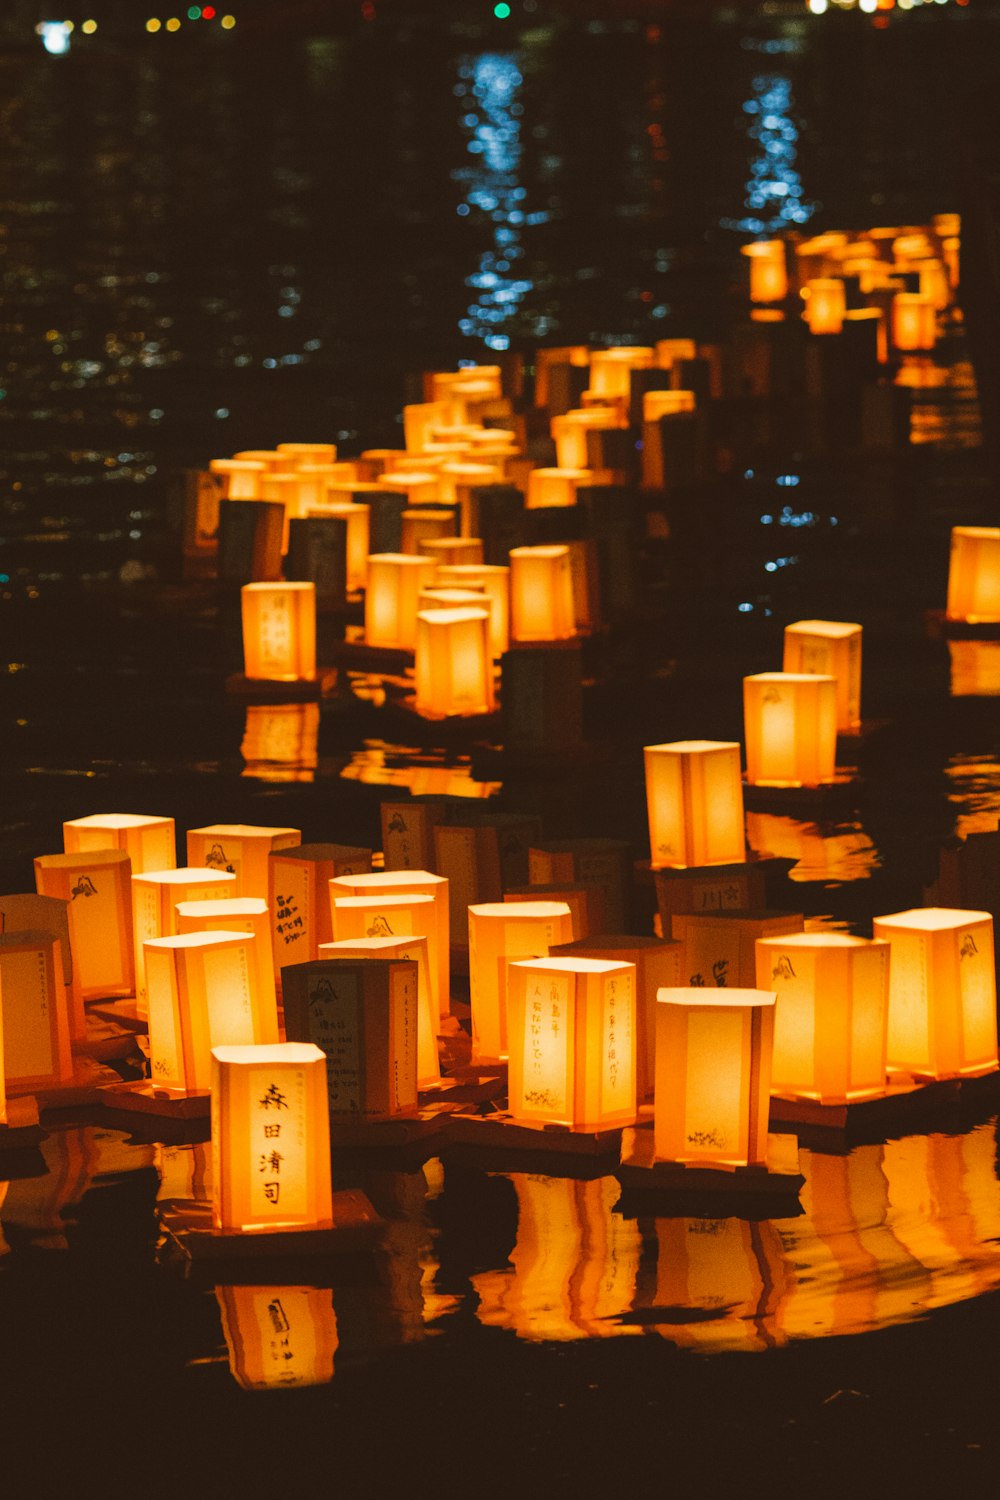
(975, 793)
(394, 766)
(822, 851)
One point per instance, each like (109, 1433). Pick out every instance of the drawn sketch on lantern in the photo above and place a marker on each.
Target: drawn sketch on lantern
(783, 968)
(335, 1027)
(217, 859)
(278, 1168)
(210, 487)
(545, 1056)
(976, 978)
(403, 998)
(83, 887)
(816, 658)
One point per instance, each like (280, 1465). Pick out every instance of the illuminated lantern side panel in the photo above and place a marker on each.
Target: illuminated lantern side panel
(768, 276)
(495, 583)
(829, 648)
(278, 1337)
(414, 949)
(790, 724)
(713, 1076)
(718, 949)
(242, 914)
(279, 631)
(541, 594)
(149, 842)
(36, 1037)
(270, 1138)
(500, 932)
(394, 583)
(454, 669)
(243, 850)
(405, 883)
(825, 304)
(97, 890)
(694, 797)
(155, 895)
(202, 994)
(298, 885)
(974, 574)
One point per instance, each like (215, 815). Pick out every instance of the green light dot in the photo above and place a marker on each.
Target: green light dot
(501, 12)
(194, 12)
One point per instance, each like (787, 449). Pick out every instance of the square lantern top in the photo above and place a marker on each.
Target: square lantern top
(574, 965)
(694, 747)
(784, 678)
(933, 918)
(452, 616)
(243, 830)
(277, 1055)
(117, 820)
(232, 906)
(836, 630)
(378, 881)
(720, 999)
(515, 911)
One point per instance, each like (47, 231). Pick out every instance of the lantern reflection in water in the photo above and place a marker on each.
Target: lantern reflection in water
(823, 851)
(278, 1337)
(281, 741)
(718, 1283)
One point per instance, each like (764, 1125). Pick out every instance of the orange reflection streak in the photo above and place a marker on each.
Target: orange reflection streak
(976, 794)
(278, 1336)
(824, 851)
(729, 1271)
(374, 765)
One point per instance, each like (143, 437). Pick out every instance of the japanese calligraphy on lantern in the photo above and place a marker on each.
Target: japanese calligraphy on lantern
(277, 1143)
(546, 1043)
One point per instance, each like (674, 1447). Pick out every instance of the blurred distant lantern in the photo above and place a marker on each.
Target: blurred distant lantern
(358, 519)
(934, 282)
(394, 582)
(569, 430)
(657, 404)
(974, 574)
(279, 631)
(308, 453)
(495, 583)
(417, 950)
(426, 525)
(299, 896)
(36, 1036)
(278, 1337)
(97, 889)
(790, 723)
(155, 894)
(914, 322)
(830, 1017)
(571, 1034)
(554, 486)
(718, 948)
(611, 369)
(453, 664)
(451, 551)
(148, 841)
(574, 355)
(500, 932)
(272, 460)
(436, 923)
(541, 594)
(203, 993)
(419, 488)
(242, 849)
(670, 352)
(270, 1138)
(829, 648)
(242, 476)
(825, 304)
(768, 276)
(250, 915)
(942, 992)
(694, 797)
(421, 420)
(713, 1076)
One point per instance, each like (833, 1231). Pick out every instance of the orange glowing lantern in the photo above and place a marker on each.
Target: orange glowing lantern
(694, 797)
(541, 594)
(611, 369)
(269, 1106)
(574, 355)
(97, 889)
(914, 321)
(434, 922)
(281, 741)
(421, 420)
(362, 1013)
(830, 1018)
(297, 454)
(242, 477)
(428, 525)
(35, 1035)
(155, 894)
(713, 1076)
(569, 430)
(499, 932)
(585, 902)
(453, 665)
(269, 457)
(717, 949)
(394, 583)
(299, 896)
(554, 487)
(670, 352)
(243, 849)
(419, 489)
(453, 551)
(790, 723)
(358, 519)
(829, 648)
(495, 583)
(278, 1337)
(571, 1034)
(279, 631)
(974, 574)
(603, 862)
(250, 915)
(417, 950)
(149, 842)
(942, 992)
(657, 404)
(825, 304)
(768, 275)
(202, 994)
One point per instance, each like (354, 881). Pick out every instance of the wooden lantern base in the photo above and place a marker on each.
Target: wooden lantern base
(143, 1099)
(907, 1105)
(262, 690)
(466, 1086)
(352, 1134)
(828, 800)
(22, 1130)
(358, 656)
(498, 1134)
(774, 1187)
(73, 1093)
(356, 1227)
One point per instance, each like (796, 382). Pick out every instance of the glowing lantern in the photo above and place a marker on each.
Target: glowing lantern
(299, 896)
(424, 526)
(242, 477)
(278, 1337)
(768, 276)
(571, 1034)
(394, 582)
(934, 283)
(570, 433)
(498, 933)
(453, 666)
(603, 862)
(279, 631)
(421, 420)
(576, 356)
(830, 1017)
(717, 950)
(155, 894)
(269, 1106)
(35, 1035)
(358, 519)
(269, 457)
(240, 914)
(657, 404)
(825, 305)
(362, 1013)
(942, 992)
(694, 797)
(435, 922)
(307, 453)
(974, 574)
(495, 583)
(458, 483)
(790, 722)
(417, 489)
(98, 894)
(547, 487)
(713, 1076)
(829, 648)
(202, 994)
(453, 551)
(281, 741)
(376, 915)
(914, 321)
(149, 842)
(611, 369)
(417, 950)
(241, 848)
(585, 902)
(541, 594)
(670, 352)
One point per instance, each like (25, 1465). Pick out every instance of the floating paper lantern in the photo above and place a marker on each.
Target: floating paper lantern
(657, 404)
(241, 914)
(278, 1337)
(279, 631)
(914, 321)
(713, 1076)
(270, 1138)
(424, 526)
(576, 356)
(417, 489)
(434, 922)
(942, 992)
(541, 594)
(500, 932)
(420, 421)
(155, 894)
(453, 665)
(35, 1033)
(453, 551)
(570, 429)
(242, 849)
(358, 520)
(495, 583)
(269, 457)
(299, 896)
(281, 741)
(394, 583)
(363, 1015)
(830, 1017)
(555, 487)
(611, 369)
(790, 723)
(307, 453)
(768, 276)
(694, 798)
(825, 304)
(97, 889)
(829, 648)
(202, 994)
(670, 352)
(571, 1034)
(149, 842)
(415, 949)
(242, 477)
(718, 949)
(974, 574)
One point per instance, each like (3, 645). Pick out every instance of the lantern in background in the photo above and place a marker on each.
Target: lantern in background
(942, 992)
(713, 1076)
(830, 1017)
(376, 914)
(297, 454)
(495, 583)
(417, 950)
(717, 949)
(670, 352)
(281, 741)
(603, 862)
(299, 896)
(435, 923)
(242, 477)
(768, 276)
(149, 842)
(279, 631)
(554, 487)
(611, 369)
(825, 304)
(541, 594)
(914, 321)
(418, 489)
(452, 551)
(790, 724)
(394, 582)
(202, 994)
(155, 894)
(829, 648)
(362, 1013)
(694, 798)
(453, 666)
(242, 849)
(425, 526)
(569, 432)
(657, 404)
(250, 915)
(269, 1107)
(35, 1035)
(97, 889)
(278, 1337)
(358, 519)
(974, 574)
(420, 421)
(500, 932)
(269, 457)
(585, 902)
(576, 356)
